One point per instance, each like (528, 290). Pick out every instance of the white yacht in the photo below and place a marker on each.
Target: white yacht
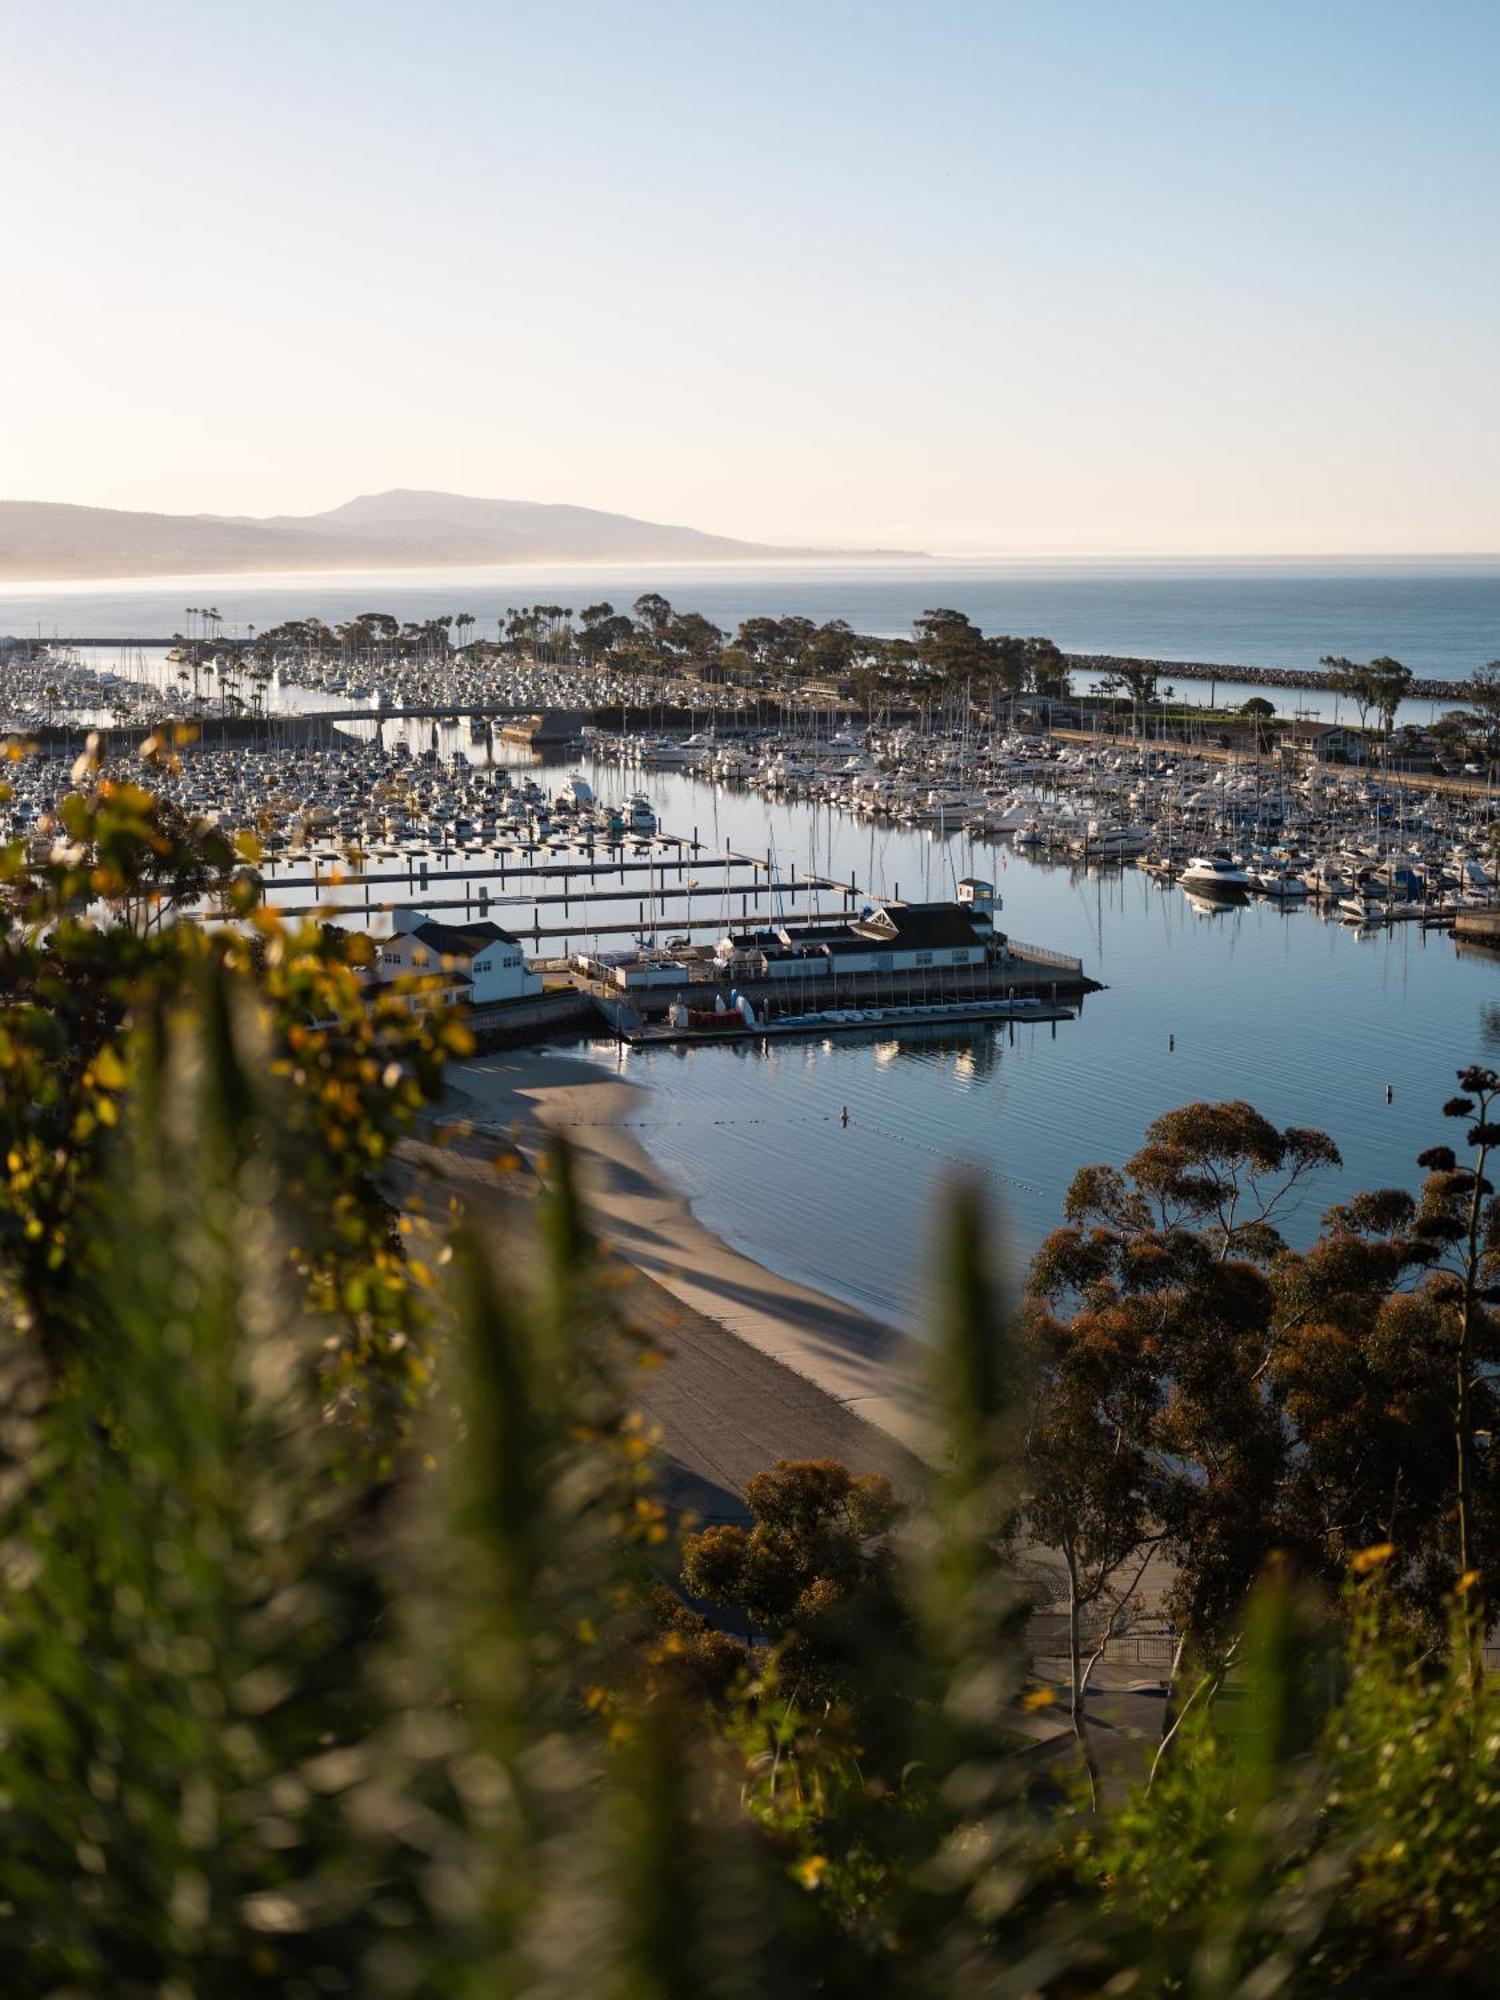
(1214, 874)
(1281, 885)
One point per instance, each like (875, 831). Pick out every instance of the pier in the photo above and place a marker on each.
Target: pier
(561, 895)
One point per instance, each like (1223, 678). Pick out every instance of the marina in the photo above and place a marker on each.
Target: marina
(750, 1003)
(661, 881)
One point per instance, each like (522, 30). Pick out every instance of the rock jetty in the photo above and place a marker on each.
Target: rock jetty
(1098, 664)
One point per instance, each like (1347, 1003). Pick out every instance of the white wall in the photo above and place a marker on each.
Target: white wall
(499, 972)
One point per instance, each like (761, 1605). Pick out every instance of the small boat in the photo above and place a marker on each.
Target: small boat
(1281, 885)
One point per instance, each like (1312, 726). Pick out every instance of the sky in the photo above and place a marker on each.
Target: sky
(971, 275)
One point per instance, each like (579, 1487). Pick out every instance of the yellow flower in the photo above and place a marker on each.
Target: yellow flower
(1038, 1698)
(1372, 1557)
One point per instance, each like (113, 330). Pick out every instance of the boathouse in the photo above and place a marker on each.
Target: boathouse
(889, 937)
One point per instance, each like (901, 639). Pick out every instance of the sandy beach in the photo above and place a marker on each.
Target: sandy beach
(759, 1367)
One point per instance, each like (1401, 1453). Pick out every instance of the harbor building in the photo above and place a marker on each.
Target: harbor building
(888, 937)
(479, 963)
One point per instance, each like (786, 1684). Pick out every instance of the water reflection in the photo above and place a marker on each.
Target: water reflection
(1309, 1021)
(1218, 905)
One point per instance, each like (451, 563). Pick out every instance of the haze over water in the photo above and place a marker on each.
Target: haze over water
(1442, 619)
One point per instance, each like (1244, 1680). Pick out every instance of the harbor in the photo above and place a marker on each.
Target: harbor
(750, 1003)
(1300, 902)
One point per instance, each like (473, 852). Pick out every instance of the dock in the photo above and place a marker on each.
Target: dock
(846, 1020)
(1478, 927)
(566, 895)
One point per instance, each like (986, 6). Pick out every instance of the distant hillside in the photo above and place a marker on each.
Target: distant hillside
(44, 541)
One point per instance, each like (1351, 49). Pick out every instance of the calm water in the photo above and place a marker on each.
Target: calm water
(1439, 618)
(1306, 1019)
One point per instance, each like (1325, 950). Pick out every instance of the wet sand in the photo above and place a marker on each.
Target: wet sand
(759, 1367)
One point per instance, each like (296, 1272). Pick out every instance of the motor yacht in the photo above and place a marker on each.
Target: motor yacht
(1281, 885)
(1214, 874)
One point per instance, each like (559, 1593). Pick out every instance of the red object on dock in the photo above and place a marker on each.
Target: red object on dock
(709, 1020)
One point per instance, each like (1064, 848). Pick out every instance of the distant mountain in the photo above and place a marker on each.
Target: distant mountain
(44, 541)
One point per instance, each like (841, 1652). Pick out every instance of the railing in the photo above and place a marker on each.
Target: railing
(1042, 956)
(1047, 1639)
(1047, 1635)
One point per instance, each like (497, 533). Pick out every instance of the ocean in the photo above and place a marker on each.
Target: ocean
(1441, 619)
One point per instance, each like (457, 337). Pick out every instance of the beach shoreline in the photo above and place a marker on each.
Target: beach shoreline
(864, 1366)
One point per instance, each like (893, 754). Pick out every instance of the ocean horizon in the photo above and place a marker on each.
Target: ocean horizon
(1441, 617)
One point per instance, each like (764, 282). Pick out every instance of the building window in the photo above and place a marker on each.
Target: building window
(924, 958)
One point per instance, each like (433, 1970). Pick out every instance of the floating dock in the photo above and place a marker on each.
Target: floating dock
(839, 1020)
(1478, 927)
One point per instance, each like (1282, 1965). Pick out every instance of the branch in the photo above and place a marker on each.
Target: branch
(1209, 1683)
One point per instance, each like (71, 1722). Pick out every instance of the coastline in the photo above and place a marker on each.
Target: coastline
(853, 1363)
(755, 1366)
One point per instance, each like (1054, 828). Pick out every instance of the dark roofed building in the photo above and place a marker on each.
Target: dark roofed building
(893, 937)
(925, 926)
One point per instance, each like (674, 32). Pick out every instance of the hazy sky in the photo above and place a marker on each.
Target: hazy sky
(1010, 274)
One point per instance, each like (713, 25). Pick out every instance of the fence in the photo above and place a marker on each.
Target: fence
(1042, 956)
(1047, 1637)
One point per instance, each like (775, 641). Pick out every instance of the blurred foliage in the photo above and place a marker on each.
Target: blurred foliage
(340, 1649)
(94, 942)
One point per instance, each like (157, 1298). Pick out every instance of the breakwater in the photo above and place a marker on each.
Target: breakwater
(1101, 664)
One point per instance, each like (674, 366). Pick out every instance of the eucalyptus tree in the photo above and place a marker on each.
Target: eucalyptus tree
(1047, 668)
(1388, 683)
(692, 640)
(1482, 692)
(1152, 1313)
(1135, 678)
(949, 645)
(604, 633)
(832, 647)
(653, 612)
(1351, 681)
